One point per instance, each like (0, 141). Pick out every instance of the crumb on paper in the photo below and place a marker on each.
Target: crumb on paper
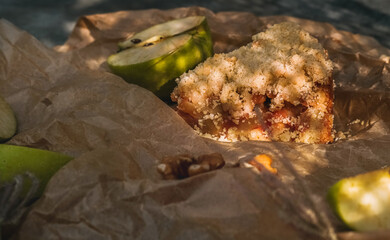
(261, 162)
(356, 121)
(385, 58)
(341, 135)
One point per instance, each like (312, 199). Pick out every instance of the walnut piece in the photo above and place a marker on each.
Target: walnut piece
(183, 166)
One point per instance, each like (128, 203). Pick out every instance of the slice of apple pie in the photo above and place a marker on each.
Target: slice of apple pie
(278, 87)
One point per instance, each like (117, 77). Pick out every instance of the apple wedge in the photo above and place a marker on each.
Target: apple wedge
(16, 160)
(156, 56)
(363, 202)
(8, 122)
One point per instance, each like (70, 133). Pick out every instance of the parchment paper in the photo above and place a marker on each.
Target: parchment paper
(66, 100)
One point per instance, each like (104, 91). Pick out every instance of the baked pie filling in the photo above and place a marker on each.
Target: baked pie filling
(277, 88)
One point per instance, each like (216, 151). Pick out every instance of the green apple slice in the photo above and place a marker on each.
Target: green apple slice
(7, 121)
(363, 201)
(156, 56)
(16, 160)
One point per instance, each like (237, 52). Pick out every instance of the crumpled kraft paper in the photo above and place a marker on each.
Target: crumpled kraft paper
(67, 101)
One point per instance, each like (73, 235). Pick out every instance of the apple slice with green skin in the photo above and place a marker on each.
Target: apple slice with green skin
(155, 57)
(8, 122)
(363, 202)
(16, 160)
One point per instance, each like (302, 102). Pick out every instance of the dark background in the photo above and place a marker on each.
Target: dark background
(51, 21)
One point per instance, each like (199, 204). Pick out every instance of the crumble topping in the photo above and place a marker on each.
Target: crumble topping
(282, 66)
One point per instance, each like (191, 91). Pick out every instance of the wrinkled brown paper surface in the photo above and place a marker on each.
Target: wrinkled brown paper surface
(66, 100)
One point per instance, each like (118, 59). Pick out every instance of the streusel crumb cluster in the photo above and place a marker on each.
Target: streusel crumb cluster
(278, 87)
